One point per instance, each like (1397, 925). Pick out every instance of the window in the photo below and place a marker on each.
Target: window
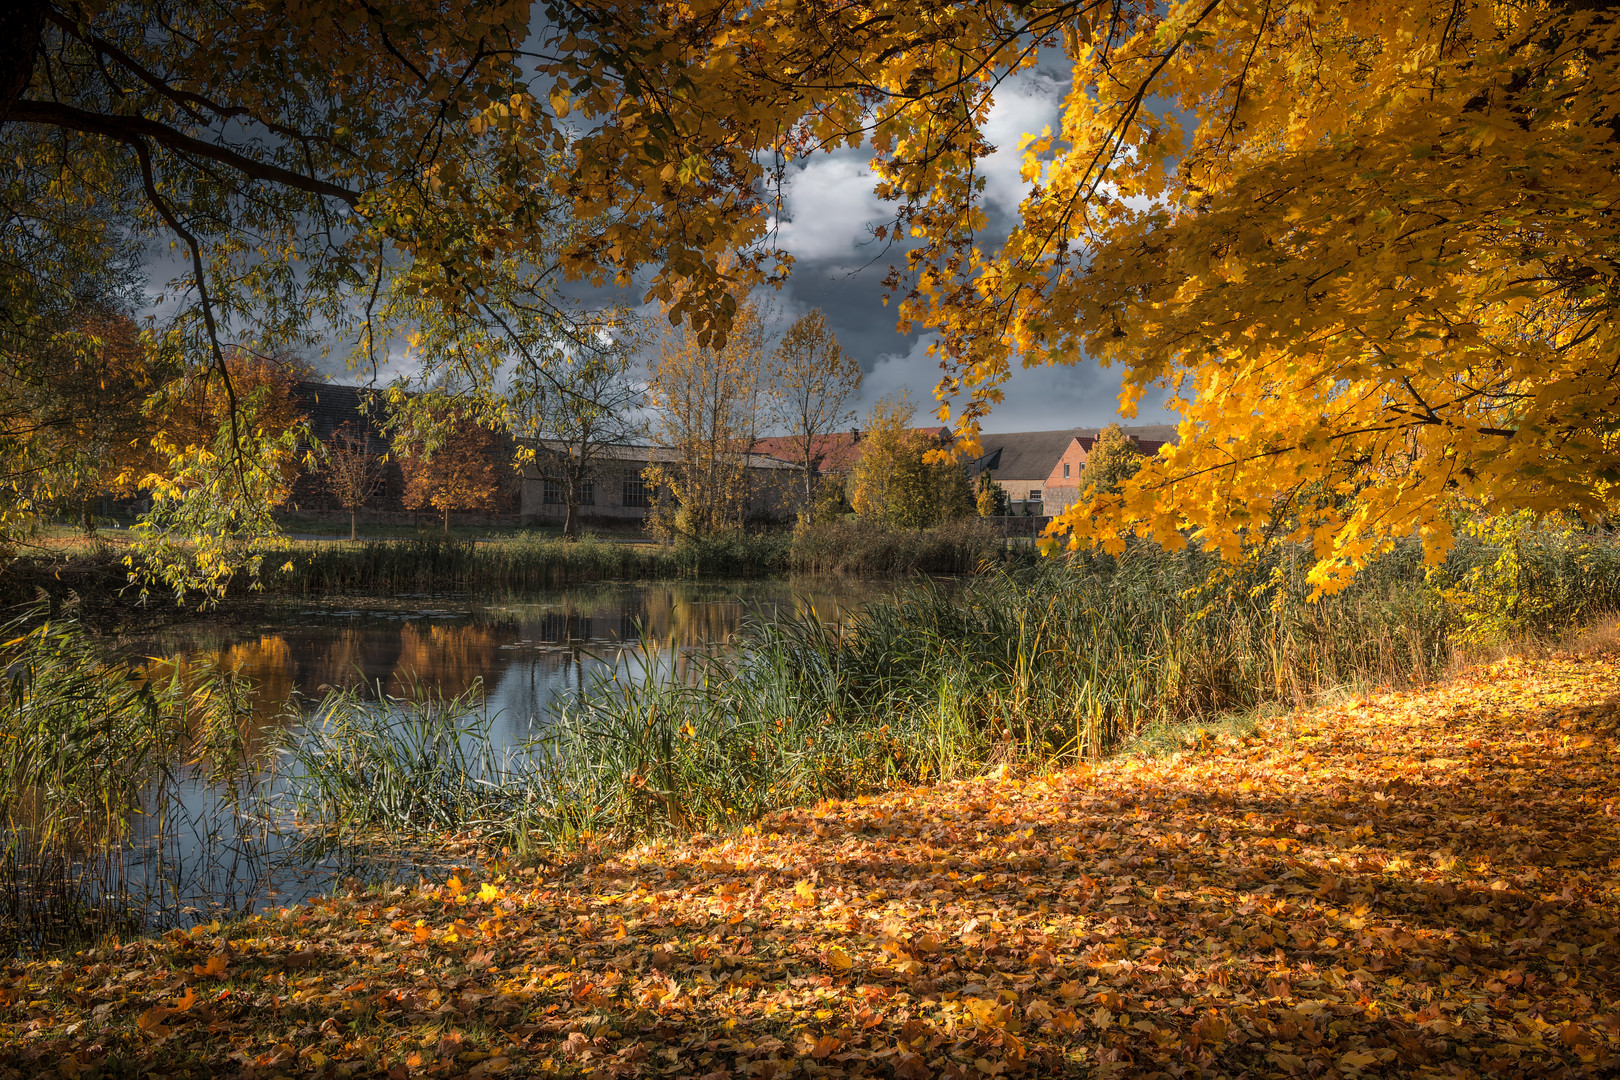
(553, 493)
(1065, 470)
(587, 493)
(1034, 494)
(635, 489)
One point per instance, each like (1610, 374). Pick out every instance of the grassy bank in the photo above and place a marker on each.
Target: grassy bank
(1061, 661)
(1280, 907)
(431, 563)
(95, 573)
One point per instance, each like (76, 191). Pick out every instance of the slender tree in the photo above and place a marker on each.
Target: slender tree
(354, 468)
(812, 382)
(570, 407)
(705, 412)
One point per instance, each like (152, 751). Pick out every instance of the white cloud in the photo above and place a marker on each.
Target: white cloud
(829, 203)
(1023, 106)
(830, 206)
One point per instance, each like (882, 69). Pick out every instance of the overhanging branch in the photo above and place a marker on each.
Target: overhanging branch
(133, 129)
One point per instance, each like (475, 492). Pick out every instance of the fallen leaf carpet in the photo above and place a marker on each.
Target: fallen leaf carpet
(1405, 884)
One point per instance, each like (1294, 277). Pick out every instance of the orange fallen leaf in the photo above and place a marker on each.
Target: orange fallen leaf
(151, 1021)
(213, 969)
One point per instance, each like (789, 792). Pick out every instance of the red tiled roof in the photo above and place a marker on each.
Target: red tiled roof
(840, 450)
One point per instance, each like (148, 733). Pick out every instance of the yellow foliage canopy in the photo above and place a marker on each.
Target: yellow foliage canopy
(1374, 268)
(1376, 272)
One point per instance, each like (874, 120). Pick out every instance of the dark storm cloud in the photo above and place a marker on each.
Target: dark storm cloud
(828, 225)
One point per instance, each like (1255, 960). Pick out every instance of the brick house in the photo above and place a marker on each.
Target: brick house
(1040, 470)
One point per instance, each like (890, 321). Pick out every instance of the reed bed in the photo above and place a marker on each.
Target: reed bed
(859, 547)
(523, 562)
(93, 757)
(1064, 660)
(529, 561)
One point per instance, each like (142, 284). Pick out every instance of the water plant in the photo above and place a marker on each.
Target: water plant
(94, 752)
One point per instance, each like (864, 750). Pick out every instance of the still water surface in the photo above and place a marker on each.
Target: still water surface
(197, 856)
(522, 655)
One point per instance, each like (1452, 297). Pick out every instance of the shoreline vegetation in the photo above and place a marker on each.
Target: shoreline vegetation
(1276, 904)
(1038, 665)
(428, 563)
(1032, 666)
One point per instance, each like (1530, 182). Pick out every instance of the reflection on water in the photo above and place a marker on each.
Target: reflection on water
(523, 654)
(203, 845)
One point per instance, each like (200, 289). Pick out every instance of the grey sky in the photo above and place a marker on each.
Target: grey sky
(830, 213)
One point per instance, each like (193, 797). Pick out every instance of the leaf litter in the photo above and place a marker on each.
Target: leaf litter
(1405, 884)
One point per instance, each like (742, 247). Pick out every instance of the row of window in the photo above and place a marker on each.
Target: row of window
(634, 492)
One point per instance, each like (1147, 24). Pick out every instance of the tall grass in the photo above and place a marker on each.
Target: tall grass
(423, 762)
(526, 561)
(529, 561)
(93, 753)
(1062, 660)
(860, 547)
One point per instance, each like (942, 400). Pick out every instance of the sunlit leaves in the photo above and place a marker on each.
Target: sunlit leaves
(1403, 883)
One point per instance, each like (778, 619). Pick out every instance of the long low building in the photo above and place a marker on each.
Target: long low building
(618, 490)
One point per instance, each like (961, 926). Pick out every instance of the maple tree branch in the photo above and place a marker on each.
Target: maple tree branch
(133, 130)
(143, 155)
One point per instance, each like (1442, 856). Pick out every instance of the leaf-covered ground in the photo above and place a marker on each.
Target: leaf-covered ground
(1414, 884)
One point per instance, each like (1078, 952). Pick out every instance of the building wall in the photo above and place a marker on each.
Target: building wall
(1019, 491)
(621, 495)
(1063, 484)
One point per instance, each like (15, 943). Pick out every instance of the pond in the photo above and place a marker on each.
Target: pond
(199, 855)
(520, 654)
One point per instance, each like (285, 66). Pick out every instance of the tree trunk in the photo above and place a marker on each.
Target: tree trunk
(447, 521)
(354, 524)
(571, 518)
(21, 24)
